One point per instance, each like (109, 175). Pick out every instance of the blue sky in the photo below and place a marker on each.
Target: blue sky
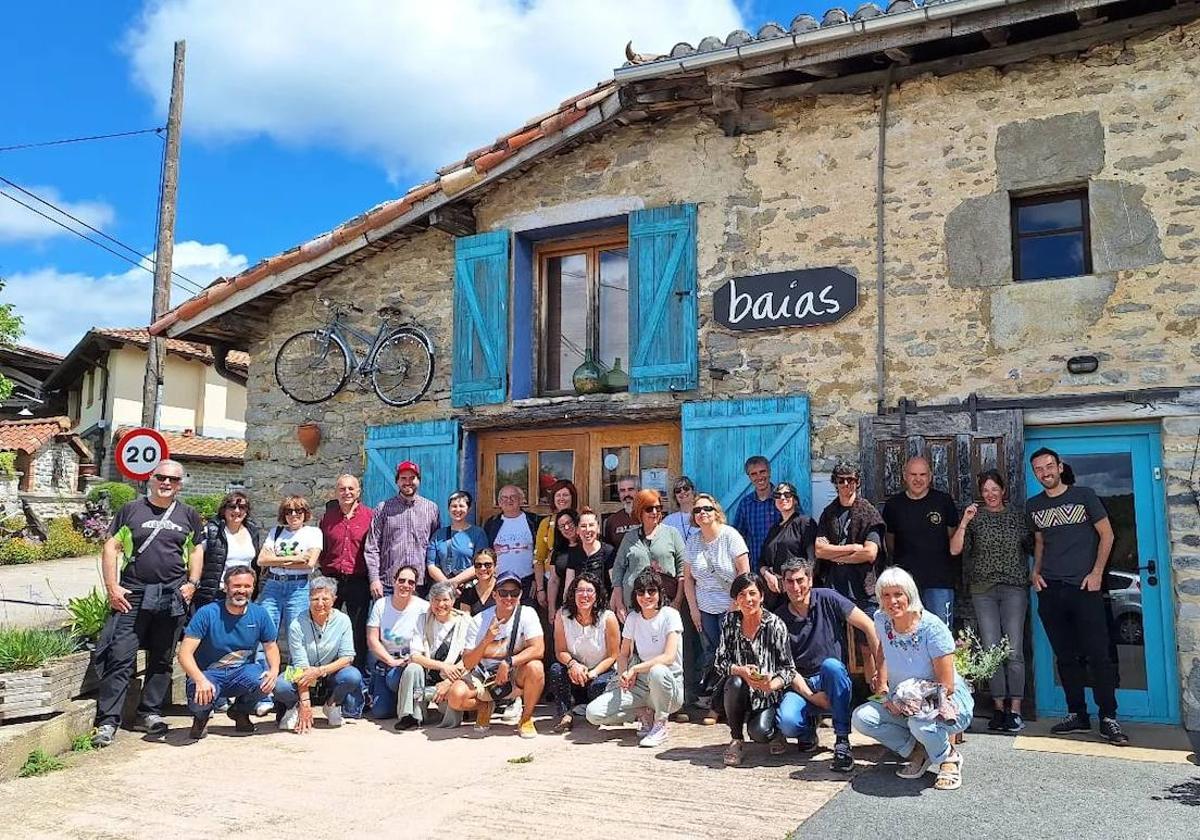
(299, 114)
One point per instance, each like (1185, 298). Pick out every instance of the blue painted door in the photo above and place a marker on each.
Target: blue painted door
(719, 435)
(1123, 464)
(480, 366)
(432, 445)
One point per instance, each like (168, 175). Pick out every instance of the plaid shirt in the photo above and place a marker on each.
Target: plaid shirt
(399, 536)
(753, 520)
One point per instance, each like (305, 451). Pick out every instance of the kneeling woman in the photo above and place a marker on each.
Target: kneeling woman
(438, 648)
(928, 701)
(587, 639)
(650, 664)
(755, 659)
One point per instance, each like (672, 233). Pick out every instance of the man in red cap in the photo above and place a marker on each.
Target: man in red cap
(400, 532)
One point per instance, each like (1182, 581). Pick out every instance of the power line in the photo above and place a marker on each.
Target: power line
(195, 286)
(97, 243)
(80, 139)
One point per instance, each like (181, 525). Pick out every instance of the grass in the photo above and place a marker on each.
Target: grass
(22, 648)
(39, 763)
(521, 759)
(82, 743)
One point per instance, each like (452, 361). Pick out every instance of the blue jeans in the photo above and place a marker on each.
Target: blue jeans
(397, 692)
(284, 600)
(710, 639)
(940, 602)
(797, 716)
(239, 683)
(345, 689)
(1001, 613)
(901, 734)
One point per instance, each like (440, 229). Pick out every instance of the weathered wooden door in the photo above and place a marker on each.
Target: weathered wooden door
(432, 445)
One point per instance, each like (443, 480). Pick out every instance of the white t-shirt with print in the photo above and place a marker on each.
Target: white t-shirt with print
(711, 564)
(514, 547)
(650, 636)
(285, 542)
(529, 628)
(398, 627)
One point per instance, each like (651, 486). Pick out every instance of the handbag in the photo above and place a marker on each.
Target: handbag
(499, 691)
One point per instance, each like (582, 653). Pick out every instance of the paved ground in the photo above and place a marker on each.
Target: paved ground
(36, 593)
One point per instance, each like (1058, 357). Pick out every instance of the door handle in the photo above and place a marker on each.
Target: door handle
(1151, 567)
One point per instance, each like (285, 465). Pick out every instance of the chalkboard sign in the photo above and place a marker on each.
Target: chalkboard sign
(806, 297)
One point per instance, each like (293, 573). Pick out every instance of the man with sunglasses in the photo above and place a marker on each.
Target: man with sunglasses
(151, 564)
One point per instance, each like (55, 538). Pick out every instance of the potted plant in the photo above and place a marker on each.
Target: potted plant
(39, 669)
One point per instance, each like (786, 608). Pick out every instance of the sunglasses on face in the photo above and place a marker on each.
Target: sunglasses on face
(683, 489)
(237, 506)
(405, 582)
(784, 494)
(484, 565)
(704, 509)
(845, 480)
(508, 593)
(174, 479)
(295, 512)
(652, 509)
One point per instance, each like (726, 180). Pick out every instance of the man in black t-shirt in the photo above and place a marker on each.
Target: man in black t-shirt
(920, 522)
(151, 562)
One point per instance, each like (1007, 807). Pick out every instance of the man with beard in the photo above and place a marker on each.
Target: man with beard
(400, 532)
(217, 654)
(620, 522)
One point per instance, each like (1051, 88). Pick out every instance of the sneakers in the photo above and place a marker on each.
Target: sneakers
(406, 723)
(806, 741)
(104, 735)
(333, 714)
(656, 737)
(199, 728)
(264, 708)
(527, 730)
(511, 716)
(1111, 731)
(242, 722)
(998, 721)
(290, 718)
(1013, 722)
(645, 719)
(843, 756)
(1072, 722)
(151, 724)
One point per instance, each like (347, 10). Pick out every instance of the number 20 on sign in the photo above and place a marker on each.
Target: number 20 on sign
(139, 451)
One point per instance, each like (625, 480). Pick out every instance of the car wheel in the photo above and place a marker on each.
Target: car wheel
(1129, 630)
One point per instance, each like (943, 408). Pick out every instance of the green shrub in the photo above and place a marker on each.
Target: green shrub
(39, 763)
(88, 614)
(206, 504)
(82, 742)
(62, 540)
(18, 551)
(8, 464)
(22, 648)
(16, 522)
(119, 493)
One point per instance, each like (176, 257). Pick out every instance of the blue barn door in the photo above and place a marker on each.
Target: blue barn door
(432, 445)
(480, 365)
(719, 436)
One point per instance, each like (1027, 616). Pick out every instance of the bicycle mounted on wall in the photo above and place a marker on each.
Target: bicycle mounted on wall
(314, 365)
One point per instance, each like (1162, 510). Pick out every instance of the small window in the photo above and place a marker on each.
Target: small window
(90, 376)
(584, 287)
(1051, 236)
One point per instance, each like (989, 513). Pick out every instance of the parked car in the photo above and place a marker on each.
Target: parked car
(1124, 593)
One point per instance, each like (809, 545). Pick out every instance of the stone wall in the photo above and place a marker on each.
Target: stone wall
(206, 477)
(55, 469)
(1180, 437)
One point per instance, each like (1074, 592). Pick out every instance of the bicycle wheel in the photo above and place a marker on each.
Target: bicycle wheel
(403, 367)
(311, 366)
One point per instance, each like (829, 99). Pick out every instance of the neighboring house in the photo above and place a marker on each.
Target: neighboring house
(102, 378)
(983, 211)
(27, 369)
(48, 460)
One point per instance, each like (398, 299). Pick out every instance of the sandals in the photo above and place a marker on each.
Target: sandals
(733, 754)
(918, 764)
(949, 774)
(779, 744)
(564, 723)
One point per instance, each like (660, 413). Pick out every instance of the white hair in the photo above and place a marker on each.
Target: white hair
(322, 582)
(894, 576)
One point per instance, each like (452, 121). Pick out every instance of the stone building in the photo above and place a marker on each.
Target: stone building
(965, 228)
(46, 459)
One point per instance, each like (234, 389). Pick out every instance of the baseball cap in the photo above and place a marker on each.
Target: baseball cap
(408, 465)
(506, 576)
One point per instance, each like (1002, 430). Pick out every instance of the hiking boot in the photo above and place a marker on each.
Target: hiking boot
(241, 721)
(998, 721)
(104, 735)
(1111, 731)
(151, 724)
(843, 756)
(199, 727)
(1013, 722)
(1072, 722)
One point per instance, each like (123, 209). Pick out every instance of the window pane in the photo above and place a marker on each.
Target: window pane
(614, 307)
(652, 468)
(566, 319)
(1053, 215)
(512, 468)
(1060, 255)
(614, 463)
(551, 467)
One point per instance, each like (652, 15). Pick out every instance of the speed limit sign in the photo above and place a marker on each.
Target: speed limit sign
(139, 452)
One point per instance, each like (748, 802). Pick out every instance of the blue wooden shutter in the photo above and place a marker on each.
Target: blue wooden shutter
(480, 375)
(719, 436)
(662, 299)
(432, 445)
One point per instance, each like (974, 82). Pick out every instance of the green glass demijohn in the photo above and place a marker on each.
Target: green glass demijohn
(616, 379)
(588, 378)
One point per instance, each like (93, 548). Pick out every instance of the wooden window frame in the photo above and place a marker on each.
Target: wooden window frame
(1034, 199)
(590, 246)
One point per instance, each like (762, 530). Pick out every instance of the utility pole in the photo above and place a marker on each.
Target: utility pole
(156, 352)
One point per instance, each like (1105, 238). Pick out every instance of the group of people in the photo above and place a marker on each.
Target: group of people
(391, 613)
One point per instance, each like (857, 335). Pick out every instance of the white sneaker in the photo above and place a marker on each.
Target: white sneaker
(645, 719)
(656, 737)
(333, 714)
(512, 715)
(290, 718)
(264, 708)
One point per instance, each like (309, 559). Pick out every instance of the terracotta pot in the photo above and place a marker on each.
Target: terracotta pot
(309, 435)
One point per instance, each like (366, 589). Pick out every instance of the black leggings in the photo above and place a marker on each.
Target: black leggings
(736, 701)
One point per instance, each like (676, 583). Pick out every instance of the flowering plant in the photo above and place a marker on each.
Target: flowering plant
(973, 661)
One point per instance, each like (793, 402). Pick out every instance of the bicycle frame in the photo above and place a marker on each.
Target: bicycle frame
(364, 364)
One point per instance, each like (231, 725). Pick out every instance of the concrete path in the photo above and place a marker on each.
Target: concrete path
(36, 594)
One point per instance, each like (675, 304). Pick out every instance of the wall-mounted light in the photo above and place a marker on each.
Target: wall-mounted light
(1083, 364)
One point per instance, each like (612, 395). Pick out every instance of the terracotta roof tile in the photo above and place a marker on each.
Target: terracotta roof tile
(189, 447)
(32, 434)
(189, 349)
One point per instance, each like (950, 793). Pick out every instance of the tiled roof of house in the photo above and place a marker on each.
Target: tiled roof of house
(30, 435)
(189, 447)
(188, 349)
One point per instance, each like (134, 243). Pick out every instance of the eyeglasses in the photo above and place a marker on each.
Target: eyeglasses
(237, 506)
(291, 511)
(174, 479)
(405, 582)
(508, 593)
(704, 509)
(484, 565)
(507, 498)
(652, 509)
(585, 593)
(845, 479)
(784, 494)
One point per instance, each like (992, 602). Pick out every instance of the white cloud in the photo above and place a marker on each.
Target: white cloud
(18, 224)
(409, 84)
(59, 307)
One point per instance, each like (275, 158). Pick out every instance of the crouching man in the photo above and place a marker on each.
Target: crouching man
(217, 653)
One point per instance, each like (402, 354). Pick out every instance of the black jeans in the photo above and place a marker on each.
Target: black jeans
(1076, 625)
(567, 694)
(354, 599)
(155, 628)
(759, 723)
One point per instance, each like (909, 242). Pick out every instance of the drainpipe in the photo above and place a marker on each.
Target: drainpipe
(880, 347)
(220, 353)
